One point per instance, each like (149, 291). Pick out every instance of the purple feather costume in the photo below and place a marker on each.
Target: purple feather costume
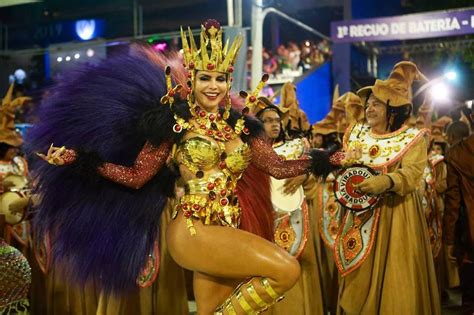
(100, 230)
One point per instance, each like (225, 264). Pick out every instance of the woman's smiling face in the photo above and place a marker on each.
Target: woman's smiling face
(210, 87)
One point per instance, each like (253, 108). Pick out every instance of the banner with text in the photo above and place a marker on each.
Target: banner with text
(411, 26)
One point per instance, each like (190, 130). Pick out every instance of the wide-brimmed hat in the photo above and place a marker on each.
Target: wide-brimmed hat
(440, 124)
(438, 137)
(337, 101)
(397, 89)
(288, 95)
(264, 103)
(8, 133)
(354, 108)
(326, 126)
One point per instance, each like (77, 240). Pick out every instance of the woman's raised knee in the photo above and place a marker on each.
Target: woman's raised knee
(288, 271)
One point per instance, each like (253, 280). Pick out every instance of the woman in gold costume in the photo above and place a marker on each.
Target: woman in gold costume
(209, 145)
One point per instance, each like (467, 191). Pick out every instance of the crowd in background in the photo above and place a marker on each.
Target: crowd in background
(292, 59)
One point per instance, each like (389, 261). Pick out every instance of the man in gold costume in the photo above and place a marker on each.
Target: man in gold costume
(384, 254)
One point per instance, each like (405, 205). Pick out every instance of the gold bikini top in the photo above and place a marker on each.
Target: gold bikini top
(201, 154)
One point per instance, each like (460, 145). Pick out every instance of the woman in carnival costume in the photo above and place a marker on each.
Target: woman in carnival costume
(104, 228)
(384, 254)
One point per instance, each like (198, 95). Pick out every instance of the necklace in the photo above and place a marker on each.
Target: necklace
(212, 125)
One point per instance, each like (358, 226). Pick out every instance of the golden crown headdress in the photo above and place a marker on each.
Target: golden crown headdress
(220, 59)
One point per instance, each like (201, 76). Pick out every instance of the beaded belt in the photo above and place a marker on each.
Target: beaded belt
(210, 212)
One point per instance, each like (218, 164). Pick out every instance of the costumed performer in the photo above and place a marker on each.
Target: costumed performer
(118, 114)
(295, 121)
(383, 254)
(345, 109)
(293, 231)
(15, 271)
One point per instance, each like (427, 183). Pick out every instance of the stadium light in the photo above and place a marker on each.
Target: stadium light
(451, 75)
(440, 92)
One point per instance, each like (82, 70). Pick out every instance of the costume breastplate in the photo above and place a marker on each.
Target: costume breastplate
(17, 167)
(290, 211)
(200, 152)
(210, 196)
(204, 154)
(381, 151)
(290, 150)
(357, 232)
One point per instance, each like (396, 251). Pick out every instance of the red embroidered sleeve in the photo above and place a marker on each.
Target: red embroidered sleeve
(69, 156)
(336, 158)
(265, 158)
(147, 164)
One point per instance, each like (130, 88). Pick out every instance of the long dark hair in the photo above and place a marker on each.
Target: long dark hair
(3, 149)
(331, 142)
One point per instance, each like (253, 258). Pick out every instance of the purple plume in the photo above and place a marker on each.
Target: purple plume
(100, 231)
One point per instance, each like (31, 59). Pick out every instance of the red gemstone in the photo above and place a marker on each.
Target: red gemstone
(190, 75)
(223, 192)
(228, 136)
(222, 165)
(230, 69)
(252, 98)
(196, 207)
(212, 117)
(210, 66)
(202, 114)
(211, 186)
(177, 128)
(227, 128)
(209, 23)
(219, 134)
(188, 214)
(171, 93)
(209, 132)
(224, 201)
(351, 243)
(202, 126)
(246, 130)
(184, 206)
(212, 195)
(191, 65)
